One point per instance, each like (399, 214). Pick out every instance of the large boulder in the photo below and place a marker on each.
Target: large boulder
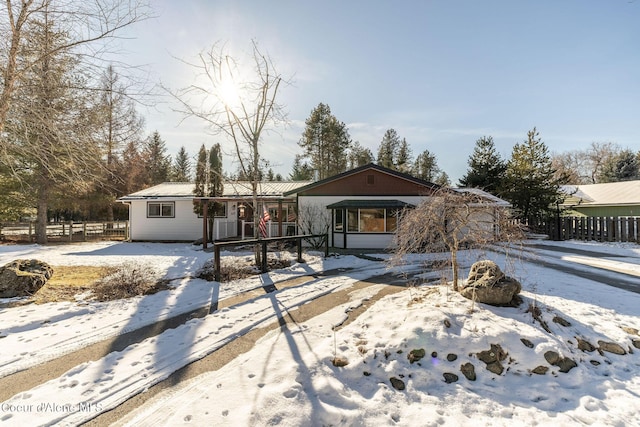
(23, 277)
(488, 284)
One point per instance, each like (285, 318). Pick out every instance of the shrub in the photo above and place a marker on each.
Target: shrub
(128, 280)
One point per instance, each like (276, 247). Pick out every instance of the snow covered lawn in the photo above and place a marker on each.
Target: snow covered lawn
(288, 378)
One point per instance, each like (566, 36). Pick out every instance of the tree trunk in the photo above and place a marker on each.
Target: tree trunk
(41, 218)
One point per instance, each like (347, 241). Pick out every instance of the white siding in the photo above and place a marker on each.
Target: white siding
(185, 226)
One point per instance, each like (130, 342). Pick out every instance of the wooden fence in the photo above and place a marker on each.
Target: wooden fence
(601, 229)
(65, 231)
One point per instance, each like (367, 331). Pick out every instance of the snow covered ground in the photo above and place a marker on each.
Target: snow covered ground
(288, 379)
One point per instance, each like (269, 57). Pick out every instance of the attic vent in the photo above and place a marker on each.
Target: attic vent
(370, 179)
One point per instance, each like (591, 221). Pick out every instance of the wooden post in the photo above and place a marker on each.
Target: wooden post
(326, 245)
(126, 230)
(205, 204)
(71, 231)
(264, 257)
(279, 217)
(299, 242)
(30, 231)
(216, 262)
(84, 231)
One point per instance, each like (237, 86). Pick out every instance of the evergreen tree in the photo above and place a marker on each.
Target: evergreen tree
(325, 142)
(486, 167)
(271, 176)
(388, 149)
(49, 138)
(621, 167)
(279, 177)
(215, 186)
(426, 166)
(359, 156)
(200, 189)
(132, 169)
(443, 179)
(301, 171)
(530, 184)
(404, 161)
(181, 167)
(156, 160)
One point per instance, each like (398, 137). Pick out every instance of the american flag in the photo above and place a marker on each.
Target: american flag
(263, 221)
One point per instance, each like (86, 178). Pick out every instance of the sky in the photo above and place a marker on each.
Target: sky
(286, 377)
(441, 73)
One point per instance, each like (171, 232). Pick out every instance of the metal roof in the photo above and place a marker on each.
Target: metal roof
(605, 194)
(232, 189)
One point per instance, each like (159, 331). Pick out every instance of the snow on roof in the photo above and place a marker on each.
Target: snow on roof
(231, 189)
(495, 199)
(606, 194)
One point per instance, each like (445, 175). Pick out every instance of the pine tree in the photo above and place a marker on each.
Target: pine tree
(486, 167)
(301, 171)
(426, 166)
(50, 136)
(529, 182)
(215, 186)
(200, 189)
(325, 142)
(621, 167)
(181, 169)
(404, 161)
(156, 160)
(388, 149)
(359, 156)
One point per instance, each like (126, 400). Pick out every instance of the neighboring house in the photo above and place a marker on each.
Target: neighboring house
(165, 212)
(602, 200)
(359, 208)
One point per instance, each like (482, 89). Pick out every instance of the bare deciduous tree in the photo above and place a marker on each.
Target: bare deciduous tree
(88, 25)
(238, 100)
(451, 220)
(314, 219)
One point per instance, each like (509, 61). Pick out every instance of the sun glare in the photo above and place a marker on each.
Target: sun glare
(229, 93)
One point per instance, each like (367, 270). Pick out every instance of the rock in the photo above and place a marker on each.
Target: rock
(493, 357)
(496, 354)
(447, 323)
(416, 354)
(450, 378)
(397, 383)
(611, 347)
(636, 343)
(540, 370)
(339, 362)
(487, 284)
(585, 345)
(630, 331)
(552, 357)
(594, 362)
(23, 277)
(495, 367)
(485, 273)
(564, 364)
(560, 321)
(434, 354)
(451, 357)
(468, 370)
(526, 342)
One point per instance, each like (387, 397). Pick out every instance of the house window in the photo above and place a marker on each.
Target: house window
(160, 210)
(219, 210)
(372, 220)
(338, 222)
(369, 220)
(352, 220)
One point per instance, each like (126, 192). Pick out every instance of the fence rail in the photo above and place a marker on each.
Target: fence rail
(601, 229)
(66, 231)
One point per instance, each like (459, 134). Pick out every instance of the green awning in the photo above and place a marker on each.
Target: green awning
(363, 204)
